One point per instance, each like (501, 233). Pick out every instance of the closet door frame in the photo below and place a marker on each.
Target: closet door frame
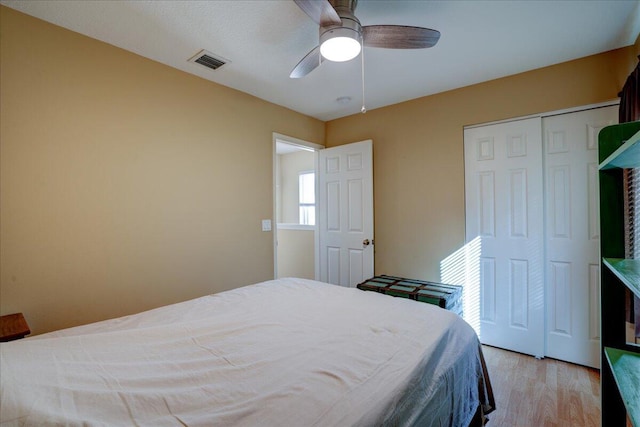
(543, 252)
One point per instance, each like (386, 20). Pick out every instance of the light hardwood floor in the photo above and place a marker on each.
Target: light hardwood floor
(541, 393)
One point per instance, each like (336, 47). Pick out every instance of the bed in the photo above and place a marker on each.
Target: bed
(287, 352)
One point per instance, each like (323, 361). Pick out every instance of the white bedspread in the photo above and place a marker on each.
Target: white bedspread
(289, 352)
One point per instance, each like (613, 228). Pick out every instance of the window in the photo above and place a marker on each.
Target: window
(307, 198)
(631, 182)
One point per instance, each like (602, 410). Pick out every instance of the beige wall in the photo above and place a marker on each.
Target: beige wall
(418, 152)
(125, 184)
(296, 253)
(290, 167)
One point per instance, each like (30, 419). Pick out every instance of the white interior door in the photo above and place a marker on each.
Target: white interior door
(504, 212)
(572, 259)
(345, 213)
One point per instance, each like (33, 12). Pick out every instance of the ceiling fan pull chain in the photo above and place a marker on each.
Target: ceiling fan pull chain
(363, 109)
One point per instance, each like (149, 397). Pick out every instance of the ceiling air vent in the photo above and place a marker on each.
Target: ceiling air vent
(208, 59)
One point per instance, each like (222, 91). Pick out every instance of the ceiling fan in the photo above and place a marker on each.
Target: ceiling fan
(342, 36)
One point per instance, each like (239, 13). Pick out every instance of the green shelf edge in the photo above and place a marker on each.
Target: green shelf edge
(627, 270)
(625, 366)
(626, 156)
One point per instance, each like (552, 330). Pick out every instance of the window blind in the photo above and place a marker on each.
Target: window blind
(631, 180)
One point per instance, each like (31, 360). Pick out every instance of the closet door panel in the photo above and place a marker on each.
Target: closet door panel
(504, 212)
(572, 256)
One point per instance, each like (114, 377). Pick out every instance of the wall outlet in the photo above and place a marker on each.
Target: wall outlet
(266, 225)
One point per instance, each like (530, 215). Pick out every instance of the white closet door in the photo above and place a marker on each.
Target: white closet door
(572, 260)
(504, 293)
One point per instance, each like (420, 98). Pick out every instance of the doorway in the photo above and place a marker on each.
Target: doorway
(295, 189)
(323, 231)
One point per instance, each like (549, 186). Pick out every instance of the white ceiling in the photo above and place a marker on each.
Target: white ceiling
(264, 39)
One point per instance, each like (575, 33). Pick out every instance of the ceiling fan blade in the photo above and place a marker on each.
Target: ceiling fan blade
(310, 62)
(320, 11)
(399, 36)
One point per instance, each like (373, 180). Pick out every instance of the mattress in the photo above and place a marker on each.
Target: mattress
(289, 352)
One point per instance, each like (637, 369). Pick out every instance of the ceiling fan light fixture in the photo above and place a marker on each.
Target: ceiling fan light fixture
(340, 44)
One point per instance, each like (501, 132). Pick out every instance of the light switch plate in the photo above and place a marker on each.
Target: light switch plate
(266, 225)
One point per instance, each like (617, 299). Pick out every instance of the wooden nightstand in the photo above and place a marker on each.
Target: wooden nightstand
(13, 327)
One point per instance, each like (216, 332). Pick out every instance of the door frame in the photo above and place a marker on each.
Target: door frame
(548, 113)
(305, 145)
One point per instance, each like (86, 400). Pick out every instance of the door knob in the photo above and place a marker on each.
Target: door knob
(366, 242)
